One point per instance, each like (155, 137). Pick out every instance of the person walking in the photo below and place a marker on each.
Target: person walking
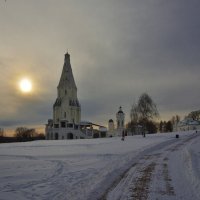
(123, 135)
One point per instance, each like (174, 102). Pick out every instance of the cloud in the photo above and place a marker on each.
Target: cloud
(118, 51)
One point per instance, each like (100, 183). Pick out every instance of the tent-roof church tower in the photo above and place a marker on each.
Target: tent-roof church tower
(66, 106)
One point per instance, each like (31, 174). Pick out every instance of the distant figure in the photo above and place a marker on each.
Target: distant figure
(123, 135)
(144, 134)
(125, 132)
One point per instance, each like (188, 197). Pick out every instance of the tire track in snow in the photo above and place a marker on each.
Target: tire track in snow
(141, 186)
(150, 176)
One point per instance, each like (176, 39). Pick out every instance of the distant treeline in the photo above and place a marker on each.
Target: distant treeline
(22, 134)
(7, 139)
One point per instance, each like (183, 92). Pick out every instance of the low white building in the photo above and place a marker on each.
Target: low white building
(188, 124)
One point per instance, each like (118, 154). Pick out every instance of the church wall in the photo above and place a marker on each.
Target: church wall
(120, 120)
(111, 126)
(72, 112)
(63, 133)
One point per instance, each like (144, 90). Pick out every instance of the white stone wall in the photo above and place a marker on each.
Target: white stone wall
(111, 126)
(188, 127)
(63, 134)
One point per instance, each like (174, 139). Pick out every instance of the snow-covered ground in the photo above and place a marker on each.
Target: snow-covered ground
(159, 166)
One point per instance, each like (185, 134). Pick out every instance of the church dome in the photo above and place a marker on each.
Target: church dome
(120, 110)
(110, 121)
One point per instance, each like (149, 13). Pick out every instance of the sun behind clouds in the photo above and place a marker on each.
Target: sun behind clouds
(25, 85)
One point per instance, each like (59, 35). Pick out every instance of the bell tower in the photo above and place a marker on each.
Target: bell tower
(120, 118)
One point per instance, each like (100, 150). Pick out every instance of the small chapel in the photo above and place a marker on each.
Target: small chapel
(120, 124)
(66, 122)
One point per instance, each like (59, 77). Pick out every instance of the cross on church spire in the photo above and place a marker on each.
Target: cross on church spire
(67, 56)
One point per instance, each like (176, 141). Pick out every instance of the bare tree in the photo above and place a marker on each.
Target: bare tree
(195, 115)
(147, 110)
(1, 132)
(25, 134)
(178, 118)
(143, 112)
(134, 113)
(175, 120)
(161, 126)
(134, 119)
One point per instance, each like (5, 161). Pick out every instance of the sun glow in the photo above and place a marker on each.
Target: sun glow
(25, 85)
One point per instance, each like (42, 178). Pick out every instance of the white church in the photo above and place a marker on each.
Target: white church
(66, 122)
(120, 124)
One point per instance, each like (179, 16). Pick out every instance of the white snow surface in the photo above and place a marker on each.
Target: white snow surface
(106, 168)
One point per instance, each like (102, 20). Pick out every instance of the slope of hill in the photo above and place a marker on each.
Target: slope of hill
(158, 166)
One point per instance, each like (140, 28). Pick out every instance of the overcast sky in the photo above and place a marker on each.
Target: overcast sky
(119, 49)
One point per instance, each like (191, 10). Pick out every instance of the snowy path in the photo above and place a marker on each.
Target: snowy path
(102, 169)
(167, 171)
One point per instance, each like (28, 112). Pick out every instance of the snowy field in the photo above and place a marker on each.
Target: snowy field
(159, 166)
